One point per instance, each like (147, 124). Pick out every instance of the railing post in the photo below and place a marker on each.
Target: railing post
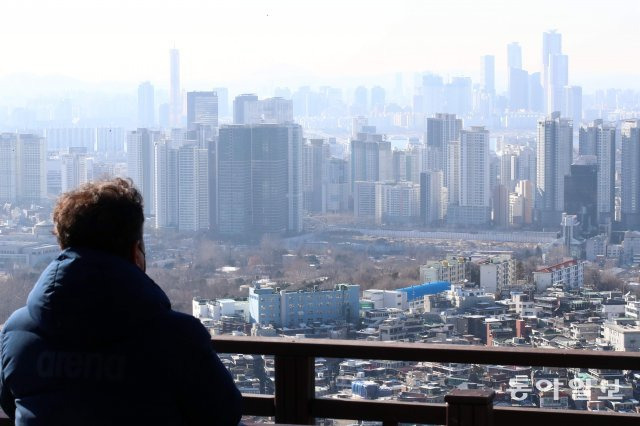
(295, 388)
(472, 407)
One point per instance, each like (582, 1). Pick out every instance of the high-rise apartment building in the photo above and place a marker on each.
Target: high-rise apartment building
(74, 169)
(336, 185)
(146, 105)
(25, 168)
(554, 157)
(9, 175)
(193, 192)
(431, 197)
(397, 202)
(370, 158)
(470, 190)
(315, 155)
(581, 193)
(630, 173)
(141, 165)
(166, 184)
(175, 92)
(452, 269)
(259, 180)
(606, 161)
(442, 129)
(202, 109)
(70, 137)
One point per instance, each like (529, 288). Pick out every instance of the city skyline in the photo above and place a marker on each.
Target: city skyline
(294, 50)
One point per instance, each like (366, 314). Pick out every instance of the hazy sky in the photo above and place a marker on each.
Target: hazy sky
(261, 43)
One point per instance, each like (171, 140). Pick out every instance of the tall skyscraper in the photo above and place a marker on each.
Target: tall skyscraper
(259, 180)
(360, 101)
(572, 107)
(630, 132)
(489, 74)
(245, 109)
(202, 109)
(514, 55)
(558, 80)
(175, 92)
(146, 105)
(554, 157)
(518, 89)
(551, 46)
(536, 93)
(378, 96)
(274, 111)
(223, 101)
(432, 94)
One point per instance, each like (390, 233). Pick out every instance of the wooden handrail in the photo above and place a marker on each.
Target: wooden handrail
(294, 367)
(360, 349)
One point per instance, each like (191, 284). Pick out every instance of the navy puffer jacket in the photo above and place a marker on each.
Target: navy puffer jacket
(99, 344)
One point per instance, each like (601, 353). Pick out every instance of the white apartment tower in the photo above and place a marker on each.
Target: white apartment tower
(166, 184)
(630, 133)
(74, 171)
(193, 194)
(554, 157)
(141, 165)
(606, 160)
(30, 167)
(8, 167)
(474, 168)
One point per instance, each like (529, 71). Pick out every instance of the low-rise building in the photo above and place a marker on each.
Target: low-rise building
(569, 273)
(452, 269)
(282, 308)
(497, 273)
(622, 336)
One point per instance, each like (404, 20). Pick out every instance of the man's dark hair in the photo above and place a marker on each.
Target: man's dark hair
(105, 215)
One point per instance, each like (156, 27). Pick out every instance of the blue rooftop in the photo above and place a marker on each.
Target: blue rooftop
(420, 290)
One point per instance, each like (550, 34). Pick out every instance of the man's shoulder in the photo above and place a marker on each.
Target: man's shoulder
(184, 327)
(19, 320)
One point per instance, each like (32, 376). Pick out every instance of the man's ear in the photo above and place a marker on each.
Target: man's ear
(137, 256)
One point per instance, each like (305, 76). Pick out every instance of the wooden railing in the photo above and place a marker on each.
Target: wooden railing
(295, 401)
